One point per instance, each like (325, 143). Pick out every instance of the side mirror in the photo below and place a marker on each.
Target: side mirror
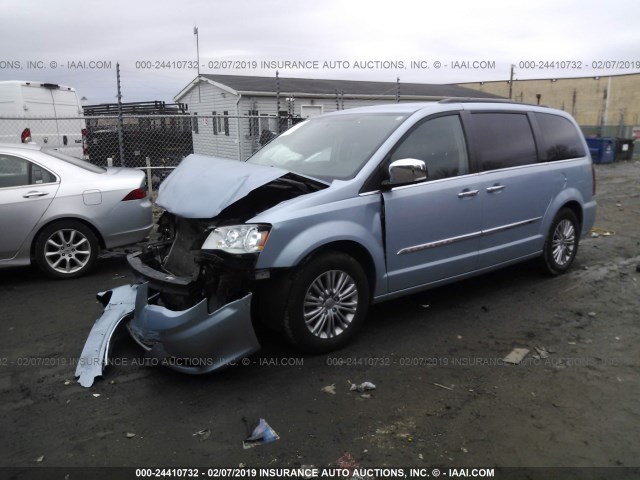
(406, 171)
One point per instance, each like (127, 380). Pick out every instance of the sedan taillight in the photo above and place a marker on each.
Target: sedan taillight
(137, 194)
(25, 136)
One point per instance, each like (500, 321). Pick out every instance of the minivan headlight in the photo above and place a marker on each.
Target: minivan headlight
(237, 239)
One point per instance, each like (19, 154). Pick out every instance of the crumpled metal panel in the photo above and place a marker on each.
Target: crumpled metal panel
(96, 350)
(195, 341)
(190, 341)
(202, 186)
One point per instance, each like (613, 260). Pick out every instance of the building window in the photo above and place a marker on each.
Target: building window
(254, 129)
(216, 127)
(194, 123)
(226, 122)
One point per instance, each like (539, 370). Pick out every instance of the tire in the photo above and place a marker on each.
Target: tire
(561, 245)
(326, 303)
(66, 249)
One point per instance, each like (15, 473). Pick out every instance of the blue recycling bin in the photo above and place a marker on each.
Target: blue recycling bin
(603, 150)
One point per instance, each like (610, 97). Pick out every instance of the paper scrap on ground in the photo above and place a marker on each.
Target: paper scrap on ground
(516, 355)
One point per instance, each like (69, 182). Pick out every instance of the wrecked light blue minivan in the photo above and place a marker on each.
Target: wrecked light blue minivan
(343, 211)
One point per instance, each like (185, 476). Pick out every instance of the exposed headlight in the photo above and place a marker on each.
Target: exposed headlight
(237, 239)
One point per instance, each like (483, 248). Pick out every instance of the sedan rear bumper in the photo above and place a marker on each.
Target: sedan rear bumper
(191, 341)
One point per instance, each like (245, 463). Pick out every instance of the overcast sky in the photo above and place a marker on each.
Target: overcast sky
(52, 34)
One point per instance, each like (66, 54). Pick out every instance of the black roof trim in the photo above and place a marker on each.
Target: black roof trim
(488, 100)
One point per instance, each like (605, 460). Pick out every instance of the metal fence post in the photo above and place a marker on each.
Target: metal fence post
(120, 137)
(149, 179)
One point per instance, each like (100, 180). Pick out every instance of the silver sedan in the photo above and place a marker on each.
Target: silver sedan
(59, 211)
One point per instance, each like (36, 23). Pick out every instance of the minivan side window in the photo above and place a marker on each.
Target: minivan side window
(504, 140)
(562, 141)
(440, 143)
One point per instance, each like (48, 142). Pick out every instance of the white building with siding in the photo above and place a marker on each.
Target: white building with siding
(220, 105)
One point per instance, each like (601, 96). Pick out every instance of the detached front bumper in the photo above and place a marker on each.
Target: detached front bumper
(191, 341)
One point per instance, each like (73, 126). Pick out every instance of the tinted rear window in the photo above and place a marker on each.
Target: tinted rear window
(504, 140)
(562, 140)
(75, 161)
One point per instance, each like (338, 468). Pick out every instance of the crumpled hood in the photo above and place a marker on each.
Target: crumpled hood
(203, 186)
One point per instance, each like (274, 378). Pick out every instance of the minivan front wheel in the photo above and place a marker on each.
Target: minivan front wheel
(561, 245)
(327, 303)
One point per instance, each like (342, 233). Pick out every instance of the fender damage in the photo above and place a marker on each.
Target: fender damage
(190, 308)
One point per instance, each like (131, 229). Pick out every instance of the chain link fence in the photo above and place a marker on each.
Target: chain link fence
(154, 143)
(158, 143)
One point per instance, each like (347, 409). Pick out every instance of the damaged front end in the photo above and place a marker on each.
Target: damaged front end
(190, 305)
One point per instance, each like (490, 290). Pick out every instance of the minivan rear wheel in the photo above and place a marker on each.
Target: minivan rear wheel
(561, 245)
(327, 303)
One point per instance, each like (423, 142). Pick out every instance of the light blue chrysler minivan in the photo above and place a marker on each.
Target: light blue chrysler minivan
(343, 211)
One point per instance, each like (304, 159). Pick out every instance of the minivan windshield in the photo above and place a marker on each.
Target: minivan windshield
(331, 147)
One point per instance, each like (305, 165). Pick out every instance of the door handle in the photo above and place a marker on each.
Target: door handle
(467, 193)
(35, 194)
(495, 188)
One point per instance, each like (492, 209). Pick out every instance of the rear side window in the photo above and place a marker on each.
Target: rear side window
(504, 140)
(562, 141)
(17, 172)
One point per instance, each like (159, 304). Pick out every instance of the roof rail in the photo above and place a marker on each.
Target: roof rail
(486, 100)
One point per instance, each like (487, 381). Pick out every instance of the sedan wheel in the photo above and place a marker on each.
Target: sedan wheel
(66, 249)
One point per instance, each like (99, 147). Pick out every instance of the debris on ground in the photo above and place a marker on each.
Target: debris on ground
(329, 389)
(542, 352)
(68, 382)
(592, 314)
(203, 434)
(40, 459)
(363, 387)
(596, 232)
(130, 435)
(262, 434)
(443, 386)
(96, 395)
(365, 395)
(464, 450)
(347, 461)
(516, 356)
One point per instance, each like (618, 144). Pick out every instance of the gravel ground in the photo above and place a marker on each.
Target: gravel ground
(443, 395)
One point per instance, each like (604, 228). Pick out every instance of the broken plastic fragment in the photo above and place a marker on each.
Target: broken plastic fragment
(542, 352)
(131, 435)
(364, 386)
(443, 386)
(329, 389)
(263, 433)
(203, 434)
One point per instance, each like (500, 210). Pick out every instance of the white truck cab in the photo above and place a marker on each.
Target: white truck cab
(45, 113)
